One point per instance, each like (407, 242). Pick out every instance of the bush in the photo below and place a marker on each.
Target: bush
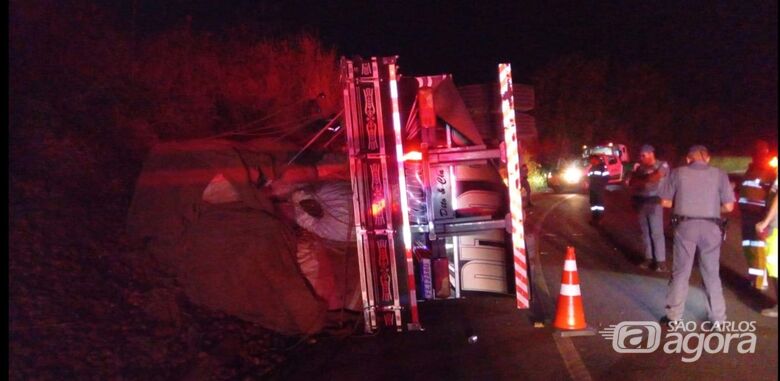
(86, 104)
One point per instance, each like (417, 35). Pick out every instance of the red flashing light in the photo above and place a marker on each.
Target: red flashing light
(377, 207)
(412, 156)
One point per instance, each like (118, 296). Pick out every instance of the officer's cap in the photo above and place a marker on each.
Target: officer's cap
(698, 148)
(647, 149)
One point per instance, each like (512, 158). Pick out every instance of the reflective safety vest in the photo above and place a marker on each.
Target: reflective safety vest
(598, 176)
(754, 190)
(598, 171)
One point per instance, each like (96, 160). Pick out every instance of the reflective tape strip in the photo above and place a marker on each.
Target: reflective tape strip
(406, 231)
(570, 290)
(515, 195)
(755, 183)
(570, 265)
(749, 243)
(744, 200)
(596, 207)
(757, 272)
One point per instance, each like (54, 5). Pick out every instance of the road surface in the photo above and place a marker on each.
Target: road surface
(511, 347)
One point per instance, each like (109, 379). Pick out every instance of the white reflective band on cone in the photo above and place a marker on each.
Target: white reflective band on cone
(569, 265)
(757, 272)
(570, 290)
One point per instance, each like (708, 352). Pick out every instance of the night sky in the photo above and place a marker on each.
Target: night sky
(467, 38)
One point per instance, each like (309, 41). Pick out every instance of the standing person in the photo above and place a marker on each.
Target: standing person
(598, 177)
(644, 183)
(770, 221)
(753, 192)
(524, 184)
(699, 194)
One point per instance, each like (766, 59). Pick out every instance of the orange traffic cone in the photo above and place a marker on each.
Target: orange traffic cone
(570, 315)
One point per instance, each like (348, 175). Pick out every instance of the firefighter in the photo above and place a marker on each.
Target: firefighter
(753, 194)
(524, 184)
(699, 194)
(645, 180)
(598, 177)
(770, 223)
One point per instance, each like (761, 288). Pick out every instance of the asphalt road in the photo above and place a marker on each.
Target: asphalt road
(615, 289)
(512, 347)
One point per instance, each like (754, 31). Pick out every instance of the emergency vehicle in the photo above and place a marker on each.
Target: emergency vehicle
(568, 175)
(571, 175)
(613, 155)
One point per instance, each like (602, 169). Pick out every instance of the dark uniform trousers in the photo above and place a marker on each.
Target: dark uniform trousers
(687, 236)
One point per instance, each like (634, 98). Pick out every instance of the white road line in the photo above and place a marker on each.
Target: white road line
(571, 358)
(537, 230)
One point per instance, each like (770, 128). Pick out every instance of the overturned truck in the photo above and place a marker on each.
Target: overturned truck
(431, 210)
(420, 203)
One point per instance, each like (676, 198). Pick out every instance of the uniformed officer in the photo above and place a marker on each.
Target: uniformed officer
(598, 177)
(753, 195)
(698, 194)
(645, 180)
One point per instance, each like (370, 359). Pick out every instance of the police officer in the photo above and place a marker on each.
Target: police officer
(699, 194)
(753, 194)
(598, 177)
(645, 180)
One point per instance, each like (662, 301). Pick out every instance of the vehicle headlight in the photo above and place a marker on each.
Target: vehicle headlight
(572, 175)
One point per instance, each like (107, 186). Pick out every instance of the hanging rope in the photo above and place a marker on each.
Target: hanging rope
(267, 130)
(271, 115)
(312, 140)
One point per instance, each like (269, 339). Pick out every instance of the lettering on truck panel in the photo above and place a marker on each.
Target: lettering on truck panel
(377, 195)
(370, 110)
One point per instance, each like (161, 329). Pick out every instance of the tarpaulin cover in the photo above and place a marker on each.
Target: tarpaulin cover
(331, 268)
(237, 257)
(243, 262)
(169, 191)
